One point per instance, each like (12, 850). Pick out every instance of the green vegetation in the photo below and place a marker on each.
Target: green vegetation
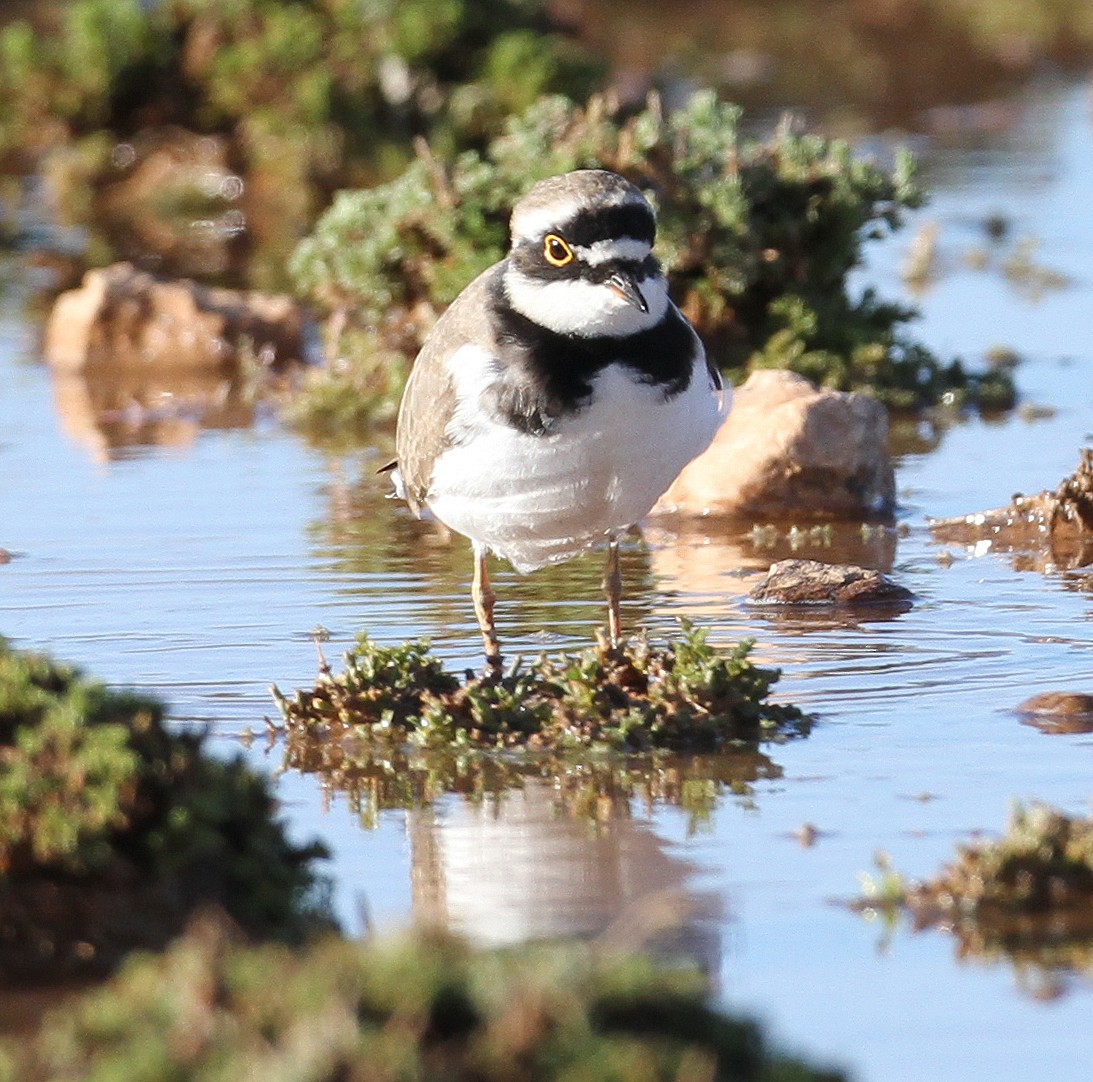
(685, 697)
(1041, 866)
(209, 1010)
(1027, 896)
(337, 87)
(758, 238)
(182, 128)
(209, 134)
(114, 830)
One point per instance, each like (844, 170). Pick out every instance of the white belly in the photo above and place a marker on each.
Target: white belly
(541, 499)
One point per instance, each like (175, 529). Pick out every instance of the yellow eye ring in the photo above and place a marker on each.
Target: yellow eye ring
(555, 250)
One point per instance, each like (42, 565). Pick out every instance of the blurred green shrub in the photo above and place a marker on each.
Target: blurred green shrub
(758, 238)
(340, 86)
(113, 829)
(425, 1008)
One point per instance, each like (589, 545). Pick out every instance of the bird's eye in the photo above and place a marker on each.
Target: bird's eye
(556, 251)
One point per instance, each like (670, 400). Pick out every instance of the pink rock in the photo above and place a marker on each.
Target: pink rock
(124, 317)
(787, 447)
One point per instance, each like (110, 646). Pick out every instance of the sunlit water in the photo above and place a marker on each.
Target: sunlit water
(198, 571)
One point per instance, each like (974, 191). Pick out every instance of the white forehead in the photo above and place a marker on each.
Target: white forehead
(532, 218)
(626, 249)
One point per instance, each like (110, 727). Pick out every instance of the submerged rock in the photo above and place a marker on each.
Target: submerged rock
(124, 317)
(1055, 527)
(1059, 712)
(789, 447)
(810, 582)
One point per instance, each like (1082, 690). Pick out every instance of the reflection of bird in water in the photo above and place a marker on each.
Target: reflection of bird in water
(517, 870)
(560, 394)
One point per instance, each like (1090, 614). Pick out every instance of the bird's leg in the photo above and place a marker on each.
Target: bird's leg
(612, 586)
(483, 596)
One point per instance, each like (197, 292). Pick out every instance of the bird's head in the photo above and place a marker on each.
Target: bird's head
(581, 259)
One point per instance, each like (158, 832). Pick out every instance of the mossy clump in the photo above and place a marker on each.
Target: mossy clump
(685, 697)
(758, 237)
(113, 830)
(1027, 895)
(425, 1007)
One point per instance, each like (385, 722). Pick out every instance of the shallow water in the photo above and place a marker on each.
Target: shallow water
(198, 567)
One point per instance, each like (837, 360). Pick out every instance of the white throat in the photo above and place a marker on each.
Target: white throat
(588, 309)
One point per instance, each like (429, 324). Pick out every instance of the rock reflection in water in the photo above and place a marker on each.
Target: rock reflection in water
(117, 409)
(138, 359)
(710, 562)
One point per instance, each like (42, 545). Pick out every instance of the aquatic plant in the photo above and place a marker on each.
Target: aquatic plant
(758, 237)
(1026, 896)
(113, 829)
(1042, 864)
(422, 1007)
(684, 697)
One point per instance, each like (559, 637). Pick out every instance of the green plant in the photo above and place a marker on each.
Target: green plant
(758, 238)
(685, 697)
(424, 1007)
(210, 134)
(113, 829)
(342, 85)
(1026, 896)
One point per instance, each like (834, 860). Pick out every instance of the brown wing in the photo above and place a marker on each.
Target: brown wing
(429, 400)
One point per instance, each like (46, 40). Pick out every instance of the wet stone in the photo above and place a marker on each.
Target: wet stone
(1059, 712)
(810, 582)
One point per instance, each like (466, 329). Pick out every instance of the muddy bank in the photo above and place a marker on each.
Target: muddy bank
(1052, 530)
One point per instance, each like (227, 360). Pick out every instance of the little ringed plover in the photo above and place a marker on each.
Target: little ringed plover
(560, 394)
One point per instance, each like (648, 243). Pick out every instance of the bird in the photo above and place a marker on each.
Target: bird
(560, 394)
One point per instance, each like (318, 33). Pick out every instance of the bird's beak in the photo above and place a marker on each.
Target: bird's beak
(624, 286)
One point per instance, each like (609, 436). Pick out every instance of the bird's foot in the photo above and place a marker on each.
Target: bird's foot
(610, 645)
(494, 667)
